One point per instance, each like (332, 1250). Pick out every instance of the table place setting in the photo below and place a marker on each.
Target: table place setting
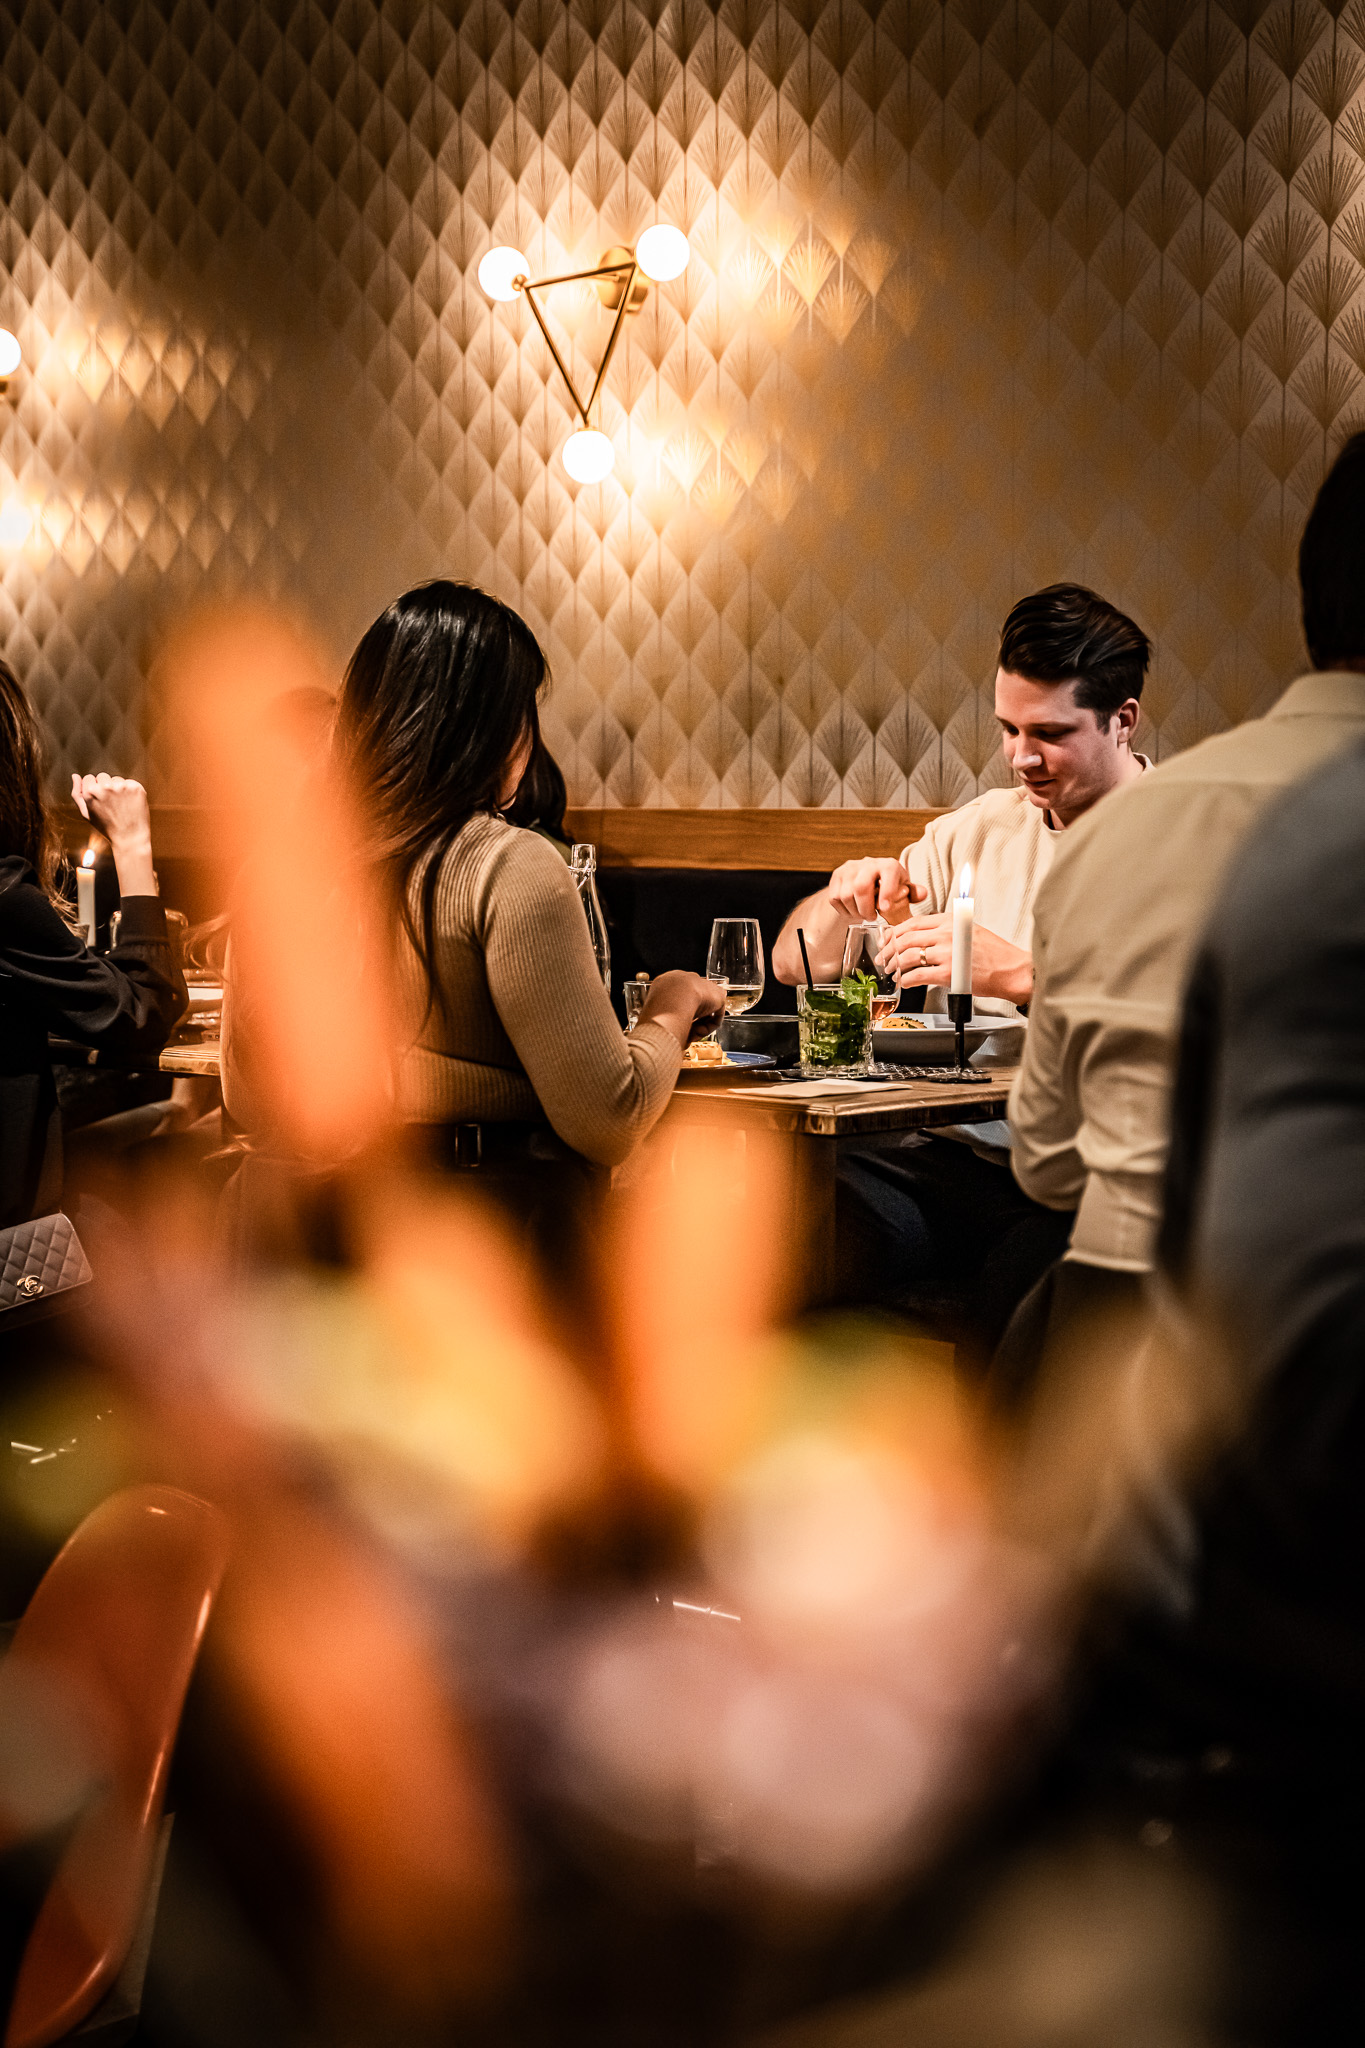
(782, 1088)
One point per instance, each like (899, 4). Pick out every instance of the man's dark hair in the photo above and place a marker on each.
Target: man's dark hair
(1065, 634)
(1332, 562)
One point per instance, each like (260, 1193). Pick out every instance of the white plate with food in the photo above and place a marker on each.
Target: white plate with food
(919, 1038)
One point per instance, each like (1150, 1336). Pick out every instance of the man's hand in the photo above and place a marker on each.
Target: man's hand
(857, 893)
(920, 954)
(862, 890)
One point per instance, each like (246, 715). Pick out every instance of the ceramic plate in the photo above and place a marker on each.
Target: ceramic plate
(934, 1041)
(732, 1060)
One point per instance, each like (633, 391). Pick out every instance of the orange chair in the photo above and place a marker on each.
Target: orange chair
(112, 1634)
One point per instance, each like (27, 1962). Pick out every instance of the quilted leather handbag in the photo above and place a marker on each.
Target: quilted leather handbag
(41, 1264)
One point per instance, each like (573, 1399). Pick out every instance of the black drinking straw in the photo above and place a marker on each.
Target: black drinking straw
(805, 957)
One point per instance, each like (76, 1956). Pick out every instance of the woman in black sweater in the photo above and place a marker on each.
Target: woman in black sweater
(124, 1002)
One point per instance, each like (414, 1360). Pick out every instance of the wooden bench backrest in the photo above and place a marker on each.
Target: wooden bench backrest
(812, 840)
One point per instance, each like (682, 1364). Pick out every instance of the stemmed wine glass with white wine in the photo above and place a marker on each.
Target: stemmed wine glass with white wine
(735, 960)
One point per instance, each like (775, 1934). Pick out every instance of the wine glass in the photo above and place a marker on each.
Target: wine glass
(735, 960)
(862, 951)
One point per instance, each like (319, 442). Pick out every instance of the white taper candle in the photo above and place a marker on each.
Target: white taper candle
(85, 902)
(964, 922)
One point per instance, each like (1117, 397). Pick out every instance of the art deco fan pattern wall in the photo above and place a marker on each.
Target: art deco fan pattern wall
(982, 295)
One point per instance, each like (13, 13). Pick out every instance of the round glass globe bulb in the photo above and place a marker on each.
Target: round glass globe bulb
(10, 353)
(589, 456)
(498, 269)
(662, 253)
(16, 523)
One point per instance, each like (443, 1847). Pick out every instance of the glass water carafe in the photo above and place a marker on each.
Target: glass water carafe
(584, 864)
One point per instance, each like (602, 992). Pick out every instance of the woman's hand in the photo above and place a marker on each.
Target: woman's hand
(920, 954)
(121, 811)
(119, 807)
(688, 1005)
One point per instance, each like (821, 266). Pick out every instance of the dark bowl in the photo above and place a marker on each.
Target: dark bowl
(762, 1031)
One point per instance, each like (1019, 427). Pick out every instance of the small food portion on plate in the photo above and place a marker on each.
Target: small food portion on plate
(907, 1023)
(703, 1055)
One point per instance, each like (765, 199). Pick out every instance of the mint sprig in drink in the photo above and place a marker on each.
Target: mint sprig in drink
(834, 1024)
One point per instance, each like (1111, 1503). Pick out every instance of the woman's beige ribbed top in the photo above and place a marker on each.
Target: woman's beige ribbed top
(529, 1029)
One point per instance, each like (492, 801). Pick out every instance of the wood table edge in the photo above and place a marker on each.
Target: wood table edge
(936, 1103)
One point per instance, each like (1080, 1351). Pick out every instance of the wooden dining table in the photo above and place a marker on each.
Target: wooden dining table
(813, 1113)
(198, 1059)
(811, 1120)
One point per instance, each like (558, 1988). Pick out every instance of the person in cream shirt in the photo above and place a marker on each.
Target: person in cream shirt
(935, 1217)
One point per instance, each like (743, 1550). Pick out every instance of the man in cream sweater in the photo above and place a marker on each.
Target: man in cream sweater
(934, 1216)
(1067, 694)
(1117, 922)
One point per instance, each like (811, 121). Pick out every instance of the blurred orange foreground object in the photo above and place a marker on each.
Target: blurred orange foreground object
(310, 924)
(114, 1628)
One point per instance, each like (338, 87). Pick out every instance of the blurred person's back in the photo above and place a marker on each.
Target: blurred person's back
(1240, 1689)
(1115, 927)
(1264, 1239)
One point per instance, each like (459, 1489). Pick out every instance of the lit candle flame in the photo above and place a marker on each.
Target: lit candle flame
(964, 881)
(88, 857)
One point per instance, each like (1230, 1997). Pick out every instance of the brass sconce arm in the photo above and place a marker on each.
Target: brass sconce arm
(529, 286)
(560, 363)
(542, 284)
(617, 324)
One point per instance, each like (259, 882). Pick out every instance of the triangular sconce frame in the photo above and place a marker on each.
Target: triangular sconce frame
(628, 271)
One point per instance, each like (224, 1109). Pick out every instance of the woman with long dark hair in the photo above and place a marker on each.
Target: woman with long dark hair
(513, 1046)
(541, 800)
(125, 1001)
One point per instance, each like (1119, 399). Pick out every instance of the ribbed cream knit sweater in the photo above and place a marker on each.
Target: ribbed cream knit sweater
(530, 1030)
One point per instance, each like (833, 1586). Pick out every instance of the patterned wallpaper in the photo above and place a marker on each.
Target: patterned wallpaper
(982, 294)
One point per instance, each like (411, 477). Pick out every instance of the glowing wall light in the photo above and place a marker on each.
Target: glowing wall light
(660, 255)
(16, 524)
(11, 355)
(588, 456)
(503, 273)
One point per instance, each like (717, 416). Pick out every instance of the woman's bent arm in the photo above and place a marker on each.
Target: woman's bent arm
(127, 1000)
(601, 1090)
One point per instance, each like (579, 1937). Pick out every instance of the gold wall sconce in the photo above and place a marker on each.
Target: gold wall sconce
(660, 255)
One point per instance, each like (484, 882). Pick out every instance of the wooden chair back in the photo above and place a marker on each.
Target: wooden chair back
(112, 1634)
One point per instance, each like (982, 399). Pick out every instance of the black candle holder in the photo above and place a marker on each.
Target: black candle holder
(960, 1012)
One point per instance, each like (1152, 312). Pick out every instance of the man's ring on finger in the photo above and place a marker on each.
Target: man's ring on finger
(924, 956)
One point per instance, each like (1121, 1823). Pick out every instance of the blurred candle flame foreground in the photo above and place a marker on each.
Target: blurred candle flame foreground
(309, 923)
